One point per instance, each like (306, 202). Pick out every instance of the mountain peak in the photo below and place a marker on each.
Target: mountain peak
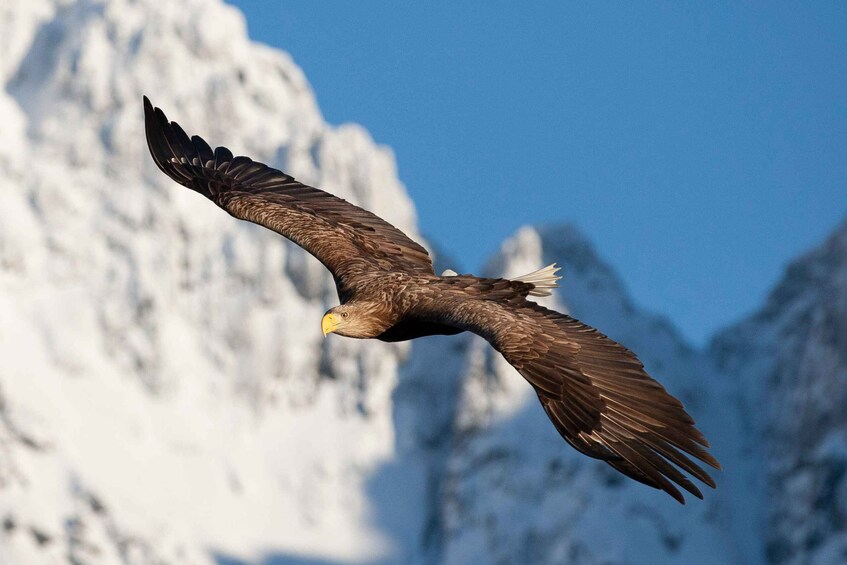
(789, 362)
(565, 244)
(815, 280)
(155, 328)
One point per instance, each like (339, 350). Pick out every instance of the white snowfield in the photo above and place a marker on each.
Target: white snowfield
(166, 395)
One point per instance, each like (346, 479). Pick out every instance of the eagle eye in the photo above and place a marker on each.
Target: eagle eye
(345, 314)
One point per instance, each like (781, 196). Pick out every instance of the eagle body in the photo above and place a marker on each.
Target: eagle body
(594, 390)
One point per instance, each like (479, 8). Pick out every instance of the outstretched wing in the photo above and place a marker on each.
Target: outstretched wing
(345, 238)
(594, 390)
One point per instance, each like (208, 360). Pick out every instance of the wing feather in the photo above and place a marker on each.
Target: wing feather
(347, 239)
(595, 391)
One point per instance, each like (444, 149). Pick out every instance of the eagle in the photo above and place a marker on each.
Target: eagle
(595, 391)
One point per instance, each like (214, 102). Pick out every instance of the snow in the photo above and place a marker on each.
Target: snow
(146, 336)
(516, 492)
(166, 394)
(790, 362)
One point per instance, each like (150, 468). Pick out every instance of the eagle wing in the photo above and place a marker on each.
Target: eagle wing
(345, 238)
(594, 390)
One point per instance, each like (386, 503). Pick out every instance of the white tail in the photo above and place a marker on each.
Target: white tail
(449, 273)
(544, 280)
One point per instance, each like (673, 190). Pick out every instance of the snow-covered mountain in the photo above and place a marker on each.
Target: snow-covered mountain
(166, 396)
(790, 361)
(166, 392)
(515, 493)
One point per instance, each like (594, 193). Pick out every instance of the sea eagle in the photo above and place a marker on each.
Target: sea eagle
(595, 391)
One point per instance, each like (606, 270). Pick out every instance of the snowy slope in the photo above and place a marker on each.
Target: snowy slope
(517, 493)
(790, 361)
(165, 392)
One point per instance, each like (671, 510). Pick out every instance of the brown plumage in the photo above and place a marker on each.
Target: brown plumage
(594, 390)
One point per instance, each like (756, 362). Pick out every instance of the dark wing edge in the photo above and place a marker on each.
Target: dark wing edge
(596, 393)
(333, 230)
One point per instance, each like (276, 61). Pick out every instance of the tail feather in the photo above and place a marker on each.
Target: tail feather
(543, 279)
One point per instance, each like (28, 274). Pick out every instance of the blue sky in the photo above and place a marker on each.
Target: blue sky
(699, 146)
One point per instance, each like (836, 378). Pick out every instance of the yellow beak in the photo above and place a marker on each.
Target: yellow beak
(329, 323)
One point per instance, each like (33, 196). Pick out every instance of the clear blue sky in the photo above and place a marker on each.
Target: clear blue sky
(700, 146)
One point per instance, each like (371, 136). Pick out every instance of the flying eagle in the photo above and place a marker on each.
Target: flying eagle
(595, 391)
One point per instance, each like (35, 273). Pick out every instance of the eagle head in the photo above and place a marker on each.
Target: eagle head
(363, 321)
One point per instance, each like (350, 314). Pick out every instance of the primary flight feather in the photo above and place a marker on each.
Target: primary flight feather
(595, 391)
